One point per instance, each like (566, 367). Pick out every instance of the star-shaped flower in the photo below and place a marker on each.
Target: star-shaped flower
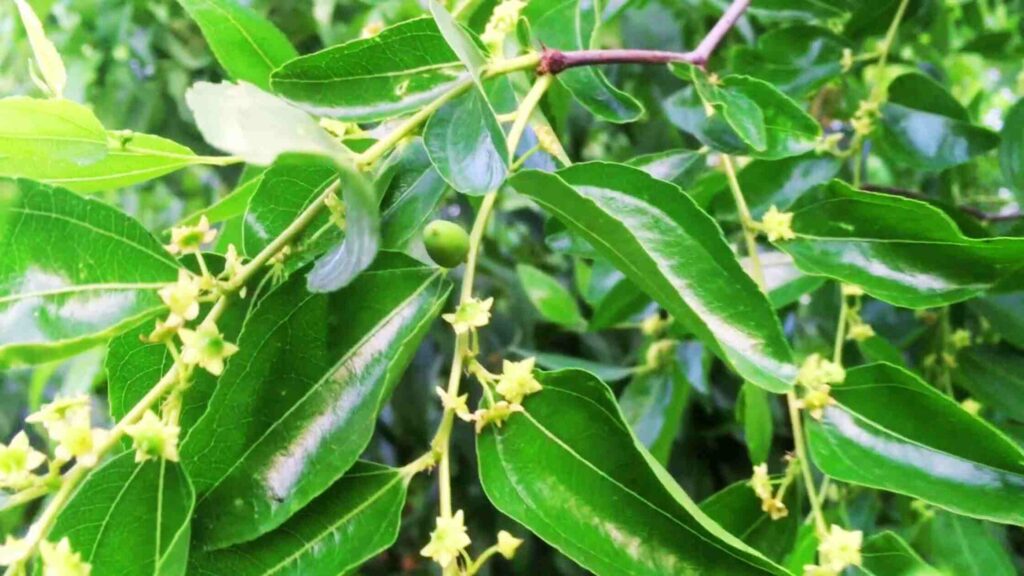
(181, 298)
(154, 438)
(80, 442)
(471, 314)
(190, 239)
(456, 404)
(60, 560)
(62, 414)
(507, 544)
(448, 540)
(860, 332)
(205, 347)
(777, 225)
(816, 400)
(840, 548)
(817, 371)
(17, 461)
(497, 414)
(517, 381)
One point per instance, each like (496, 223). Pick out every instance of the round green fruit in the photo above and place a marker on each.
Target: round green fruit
(446, 242)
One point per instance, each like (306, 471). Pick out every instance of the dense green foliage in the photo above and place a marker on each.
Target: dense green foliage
(560, 287)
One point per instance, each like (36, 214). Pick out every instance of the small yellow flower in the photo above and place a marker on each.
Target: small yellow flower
(816, 400)
(846, 62)
(471, 314)
(60, 560)
(80, 442)
(817, 371)
(960, 339)
(62, 414)
(17, 461)
(761, 482)
(971, 406)
(777, 225)
(517, 381)
(840, 548)
(206, 347)
(860, 332)
(12, 551)
(232, 262)
(851, 290)
(547, 139)
(456, 404)
(497, 414)
(503, 20)
(154, 438)
(775, 508)
(181, 298)
(819, 571)
(654, 325)
(190, 239)
(507, 544)
(371, 29)
(448, 540)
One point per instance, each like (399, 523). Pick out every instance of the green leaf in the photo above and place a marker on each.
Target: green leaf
(254, 125)
(796, 59)
(925, 127)
(248, 46)
(784, 281)
(352, 521)
(994, 376)
(738, 510)
(675, 252)
(751, 117)
(466, 144)
(680, 167)
(339, 266)
(35, 133)
(886, 554)
(754, 411)
(1011, 149)
(967, 547)
(621, 304)
(412, 195)
(597, 497)
(47, 59)
(554, 302)
(780, 183)
(459, 40)
(554, 361)
(131, 159)
(297, 405)
(572, 25)
(931, 448)
(228, 207)
(899, 250)
(130, 518)
(653, 404)
(399, 70)
(51, 305)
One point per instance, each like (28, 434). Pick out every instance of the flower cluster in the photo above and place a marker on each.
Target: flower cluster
(857, 329)
(154, 438)
(863, 121)
(838, 550)
(817, 375)
(58, 559)
(503, 21)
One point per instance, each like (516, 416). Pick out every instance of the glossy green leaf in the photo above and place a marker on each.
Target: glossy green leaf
(796, 59)
(553, 361)
(571, 25)
(738, 510)
(570, 470)
(1011, 149)
(297, 405)
(899, 250)
(35, 133)
(993, 376)
(459, 40)
(780, 183)
(341, 264)
(53, 306)
(967, 547)
(554, 302)
(231, 206)
(680, 167)
(886, 554)
(466, 144)
(931, 448)
(653, 404)
(130, 518)
(413, 193)
(248, 46)
(243, 120)
(674, 251)
(754, 411)
(621, 304)
(352, 521)
(784, 281)
(751, 117)
(925, 127)
(399, 70)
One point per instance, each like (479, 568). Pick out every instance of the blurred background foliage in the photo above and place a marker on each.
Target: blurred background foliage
(133, 60)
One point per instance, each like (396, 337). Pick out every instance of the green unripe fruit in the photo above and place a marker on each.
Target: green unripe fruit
(446, 242)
